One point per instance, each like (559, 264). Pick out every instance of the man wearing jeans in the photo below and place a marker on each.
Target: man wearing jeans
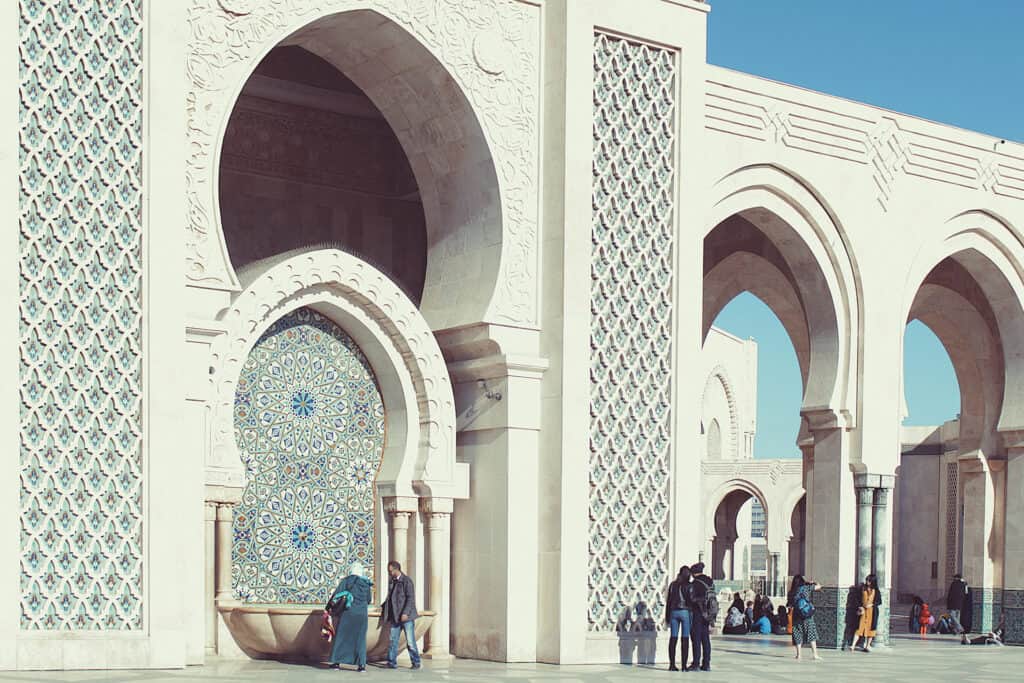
(956, 599)
(400, 611)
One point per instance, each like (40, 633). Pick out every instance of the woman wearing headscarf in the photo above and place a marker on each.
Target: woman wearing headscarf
(348, 607)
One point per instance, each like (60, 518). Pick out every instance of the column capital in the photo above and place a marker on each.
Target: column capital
(881, 497)
(865, 495)
(225, 512)
(436, 506)
(395, 504)
(210, 510)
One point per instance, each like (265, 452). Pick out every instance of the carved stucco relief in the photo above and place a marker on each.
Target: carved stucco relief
(491, 49)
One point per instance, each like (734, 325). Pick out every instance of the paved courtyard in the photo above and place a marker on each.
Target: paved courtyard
(736, 658)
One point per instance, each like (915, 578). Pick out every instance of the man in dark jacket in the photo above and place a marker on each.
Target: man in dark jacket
(956, 600)
(400, 612)
(700, 631)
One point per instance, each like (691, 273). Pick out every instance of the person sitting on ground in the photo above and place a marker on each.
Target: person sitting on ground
(756, 605)
(993, 637)
(762, 625)
(781, 626)
(749, 612)
(767, 607)
(735, 622)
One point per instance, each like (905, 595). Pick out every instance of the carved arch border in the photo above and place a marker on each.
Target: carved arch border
(719, 372)
(421, 399)
(1001, 247)
(722, 491)
(489, 47)
(796, 202)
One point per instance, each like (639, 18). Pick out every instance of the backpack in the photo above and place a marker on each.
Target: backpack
(708, 605)
(804, 607)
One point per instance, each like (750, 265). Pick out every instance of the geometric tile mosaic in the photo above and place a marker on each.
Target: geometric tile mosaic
(309, 423)
(80, 220)
(630, 327)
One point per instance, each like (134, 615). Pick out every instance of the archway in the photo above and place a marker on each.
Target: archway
(952, 484)
(353, 102)
(739, 532)
(417, 472)
(772, 236)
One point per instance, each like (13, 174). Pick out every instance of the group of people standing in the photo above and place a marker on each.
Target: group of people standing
(349, 616)
(691, 607)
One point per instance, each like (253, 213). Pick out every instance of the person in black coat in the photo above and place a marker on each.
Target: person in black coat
(679, 617)
(956, 597)
(399, 610)
(700, 634)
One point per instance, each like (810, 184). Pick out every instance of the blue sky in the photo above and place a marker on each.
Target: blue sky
(956, 62)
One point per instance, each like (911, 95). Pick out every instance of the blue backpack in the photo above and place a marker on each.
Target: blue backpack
(804, 607)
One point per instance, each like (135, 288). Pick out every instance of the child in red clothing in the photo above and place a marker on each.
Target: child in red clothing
(925, 619)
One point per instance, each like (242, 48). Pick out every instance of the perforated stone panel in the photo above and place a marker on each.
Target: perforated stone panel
(631, 327)
(309, 420)
(80, 220)
(952, 519)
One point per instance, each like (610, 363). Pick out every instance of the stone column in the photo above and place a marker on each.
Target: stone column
(1013, 552)
(831, 523)
(880, 549)
(437, 517)
(982, 545)
(210, 574)
(865, 499)
(225, 521)
(398, 542)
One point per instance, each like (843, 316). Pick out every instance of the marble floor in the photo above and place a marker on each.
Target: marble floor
(735, 658)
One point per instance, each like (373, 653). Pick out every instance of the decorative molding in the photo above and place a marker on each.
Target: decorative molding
(303, 279)
(891, 145)
(719, 372)
(229, 36)
(81, 222)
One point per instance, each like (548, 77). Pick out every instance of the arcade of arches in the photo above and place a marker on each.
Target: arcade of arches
(375, 280)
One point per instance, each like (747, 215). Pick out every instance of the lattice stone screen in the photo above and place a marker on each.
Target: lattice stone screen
(952, 519)
(309, 420)
(631, 326)
(81, 314)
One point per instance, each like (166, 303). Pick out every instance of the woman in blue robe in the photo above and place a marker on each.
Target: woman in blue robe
(350, 621)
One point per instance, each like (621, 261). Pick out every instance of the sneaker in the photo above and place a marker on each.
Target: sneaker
(415, 666)
(361, 670)
(392, 665)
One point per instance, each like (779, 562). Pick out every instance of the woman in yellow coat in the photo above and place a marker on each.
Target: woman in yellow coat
(870, 602)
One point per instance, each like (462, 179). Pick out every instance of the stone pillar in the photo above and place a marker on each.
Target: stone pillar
(210, 574)
(775, 569)
(881, 527)
(831, 522)
(865, 499)
(982, 545)
(437, 517)
(1013, 530)
(398, 540)
(225, 521)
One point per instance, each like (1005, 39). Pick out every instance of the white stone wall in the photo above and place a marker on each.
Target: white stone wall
(730, 393)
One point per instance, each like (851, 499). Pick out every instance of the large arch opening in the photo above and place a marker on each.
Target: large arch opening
(739, 551)
(351, 134)
(950, 492)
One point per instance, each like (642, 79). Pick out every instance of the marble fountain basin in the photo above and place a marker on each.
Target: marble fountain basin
(292, 632)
